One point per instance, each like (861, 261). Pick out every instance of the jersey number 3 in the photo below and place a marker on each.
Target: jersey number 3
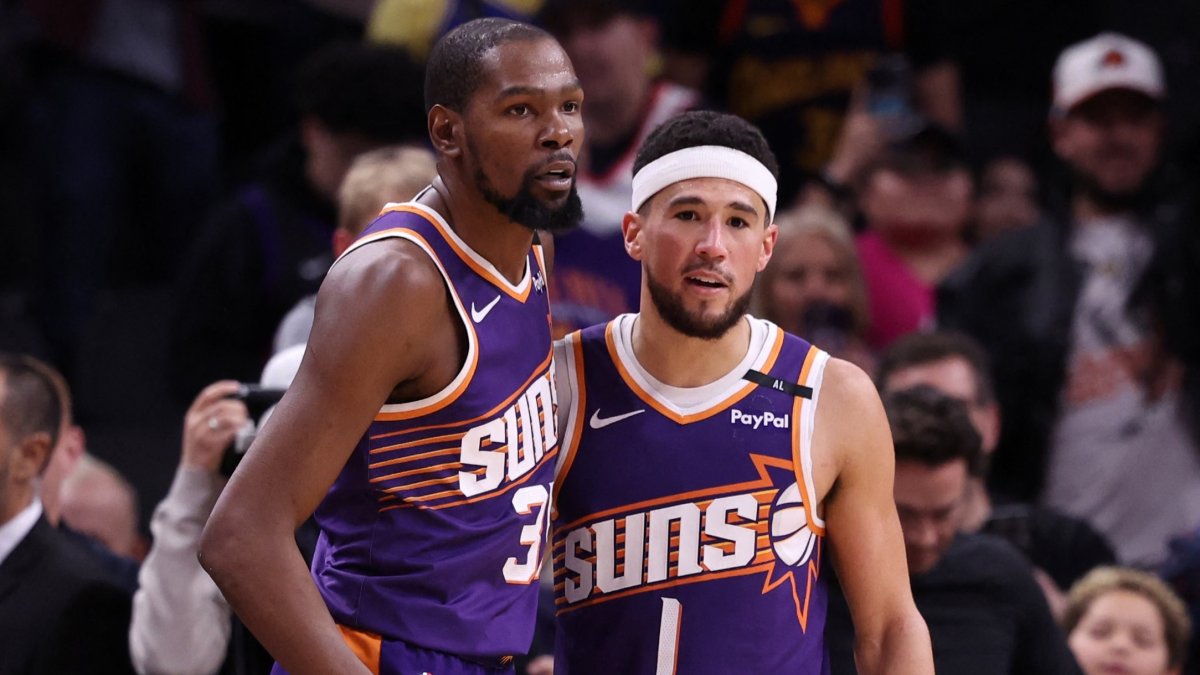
(524, 501)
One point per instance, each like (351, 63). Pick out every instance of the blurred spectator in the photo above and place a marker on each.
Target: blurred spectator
(59, 611)
(1061, 548)
(916, 199)
(1007, 199)
(269, 245)
(70, 450)
(1121, 620)
(415, 25)
(791, 67)
(612, 44)
(1091, 320)
(99, 502)
(122, 145)
(813, 286)
(375, 178)
(985, 613)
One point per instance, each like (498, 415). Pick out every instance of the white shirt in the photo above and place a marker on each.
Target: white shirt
(12, 532)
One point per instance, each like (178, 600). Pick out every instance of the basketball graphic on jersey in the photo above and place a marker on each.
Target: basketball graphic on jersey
(791, 537)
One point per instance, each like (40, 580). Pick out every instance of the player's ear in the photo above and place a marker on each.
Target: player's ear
(768, 246)
(631, 229)
(445, 131)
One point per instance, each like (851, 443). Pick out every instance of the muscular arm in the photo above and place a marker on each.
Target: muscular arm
(374, 315)
(864, 531)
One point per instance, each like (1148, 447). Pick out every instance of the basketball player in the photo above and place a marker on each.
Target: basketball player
(710, 461)
(422, 410)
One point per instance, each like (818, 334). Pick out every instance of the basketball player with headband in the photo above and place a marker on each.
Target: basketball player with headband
(710, 461)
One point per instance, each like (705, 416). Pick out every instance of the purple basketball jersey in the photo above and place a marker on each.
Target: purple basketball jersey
(684, 540)
(432, 534)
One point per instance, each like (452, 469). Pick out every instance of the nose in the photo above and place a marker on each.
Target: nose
(712, 245)
(560, 131)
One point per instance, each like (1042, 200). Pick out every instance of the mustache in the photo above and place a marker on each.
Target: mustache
(560, 156)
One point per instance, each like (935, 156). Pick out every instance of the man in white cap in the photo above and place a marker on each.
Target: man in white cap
(710, 462)
(1091, 318)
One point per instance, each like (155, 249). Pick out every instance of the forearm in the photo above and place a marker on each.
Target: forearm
(180, 621)
(257, 566)
(901, 648)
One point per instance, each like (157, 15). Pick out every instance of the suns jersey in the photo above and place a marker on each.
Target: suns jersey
(432, 534)
(685, 539)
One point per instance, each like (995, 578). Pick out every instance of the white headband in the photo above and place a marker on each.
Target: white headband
(705, 161)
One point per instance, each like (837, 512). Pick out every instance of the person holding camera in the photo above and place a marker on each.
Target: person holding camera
(181, 622)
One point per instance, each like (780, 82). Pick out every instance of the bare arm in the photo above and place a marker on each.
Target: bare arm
(372, 321)
(864, 531)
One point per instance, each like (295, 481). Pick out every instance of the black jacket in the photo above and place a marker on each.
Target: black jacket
(59, 612)
(1017, 294)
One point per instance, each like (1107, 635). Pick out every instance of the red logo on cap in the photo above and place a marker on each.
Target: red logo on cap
(1113, 59)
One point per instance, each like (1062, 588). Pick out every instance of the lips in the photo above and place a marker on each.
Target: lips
(557, 174)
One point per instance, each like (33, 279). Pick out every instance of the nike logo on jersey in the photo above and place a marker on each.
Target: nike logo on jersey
(478, 315)
(767, 419)
(598, 422)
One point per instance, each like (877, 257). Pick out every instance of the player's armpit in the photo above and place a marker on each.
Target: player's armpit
(863, 529)
(375, 313)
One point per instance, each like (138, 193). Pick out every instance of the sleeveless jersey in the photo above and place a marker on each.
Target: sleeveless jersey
(685, 540)
(432, 533)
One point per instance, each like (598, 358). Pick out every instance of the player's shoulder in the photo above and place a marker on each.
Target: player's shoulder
(385, 266)
(847, 386)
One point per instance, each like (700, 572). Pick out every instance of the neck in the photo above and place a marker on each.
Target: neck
(17, 502)
(681, 360)
(493, 236)
(1086, 208)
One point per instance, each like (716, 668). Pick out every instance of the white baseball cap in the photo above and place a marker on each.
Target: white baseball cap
(1107, 61)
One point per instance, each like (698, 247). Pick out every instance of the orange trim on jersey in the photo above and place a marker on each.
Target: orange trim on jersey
(538, 371)
(649, 399)
(678, 581)
(414, 501)
(409, 444)
(413, 458)
(498, 282)
(366, 646)
(810, 508)
(413, 472)
(444, 398)
(581, 391)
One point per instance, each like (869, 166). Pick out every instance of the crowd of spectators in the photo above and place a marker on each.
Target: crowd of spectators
(989, 206)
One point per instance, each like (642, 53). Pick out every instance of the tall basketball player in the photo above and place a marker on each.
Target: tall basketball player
(710, 461)
(421, 418)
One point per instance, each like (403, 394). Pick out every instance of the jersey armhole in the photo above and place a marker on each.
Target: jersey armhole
(571, 375)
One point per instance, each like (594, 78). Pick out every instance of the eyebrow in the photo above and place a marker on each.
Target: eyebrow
(690, 200)
(521, 90)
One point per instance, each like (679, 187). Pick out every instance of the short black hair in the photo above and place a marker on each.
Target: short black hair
(706, 127)
(933, 429)
(918, 349)
(353, 87)
(31, 402)
(453, 72)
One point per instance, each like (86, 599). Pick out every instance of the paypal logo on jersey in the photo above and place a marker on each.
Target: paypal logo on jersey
(766, 419)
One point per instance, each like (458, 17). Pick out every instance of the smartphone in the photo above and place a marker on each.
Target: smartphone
(259, 400)
(890, 96)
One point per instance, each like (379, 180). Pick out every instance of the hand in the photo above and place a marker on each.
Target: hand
(211, 424)
(861, 140)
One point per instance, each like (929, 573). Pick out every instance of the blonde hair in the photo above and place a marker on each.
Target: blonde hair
(826, 223)
(391, 174)
(1177, 626)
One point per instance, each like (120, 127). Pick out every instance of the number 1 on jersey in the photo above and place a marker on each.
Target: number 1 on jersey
(668, 636)
(524, 501)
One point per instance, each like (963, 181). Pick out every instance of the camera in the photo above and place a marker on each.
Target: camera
(259, 401)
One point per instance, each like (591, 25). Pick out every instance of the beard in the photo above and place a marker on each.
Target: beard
(525, 209)
(1111, 200)
(671, 308)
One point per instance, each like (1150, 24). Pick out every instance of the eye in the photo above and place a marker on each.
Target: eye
(571, 107)
(518, 110)
(738, 223)
(687, 215)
